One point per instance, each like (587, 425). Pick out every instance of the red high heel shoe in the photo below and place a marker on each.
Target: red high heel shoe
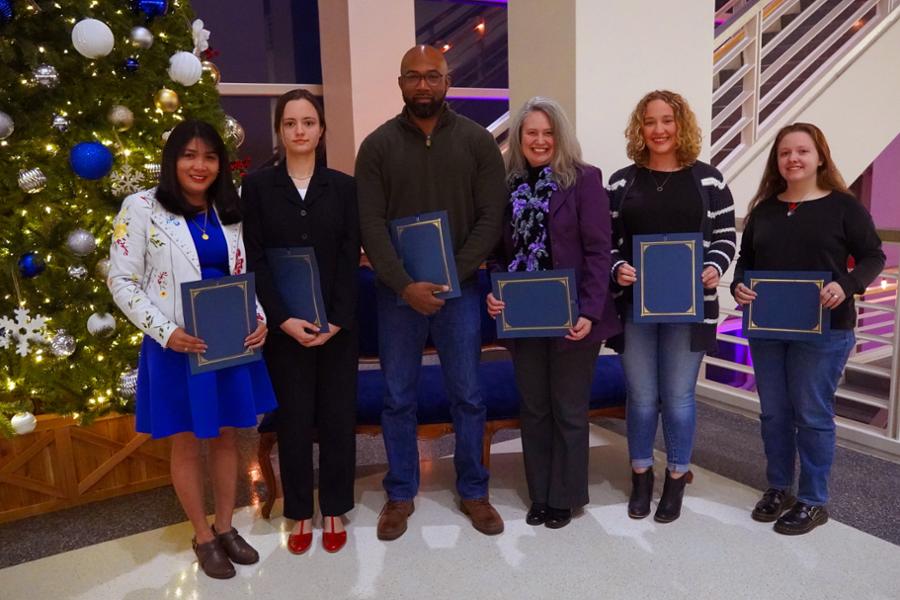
(333, 541)
(298, 543)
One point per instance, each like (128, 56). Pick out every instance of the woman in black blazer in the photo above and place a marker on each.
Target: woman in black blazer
(300, 202)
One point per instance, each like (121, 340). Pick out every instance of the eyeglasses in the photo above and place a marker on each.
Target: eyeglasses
(412, 78)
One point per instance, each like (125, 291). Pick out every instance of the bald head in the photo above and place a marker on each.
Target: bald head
(424, 81)
(423, 59)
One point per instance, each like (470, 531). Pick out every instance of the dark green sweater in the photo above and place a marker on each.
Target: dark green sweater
(401, 172)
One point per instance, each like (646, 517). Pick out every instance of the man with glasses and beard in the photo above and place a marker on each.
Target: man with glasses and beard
(428, 158)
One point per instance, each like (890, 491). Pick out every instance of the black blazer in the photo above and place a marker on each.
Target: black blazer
(328, 220)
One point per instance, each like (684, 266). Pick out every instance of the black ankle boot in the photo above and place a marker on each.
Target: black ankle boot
(641, 493)
(669, 507)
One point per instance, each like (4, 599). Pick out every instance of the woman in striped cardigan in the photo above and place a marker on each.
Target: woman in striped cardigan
(666, 190)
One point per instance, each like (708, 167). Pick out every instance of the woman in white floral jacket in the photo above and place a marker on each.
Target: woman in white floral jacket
(186, 229)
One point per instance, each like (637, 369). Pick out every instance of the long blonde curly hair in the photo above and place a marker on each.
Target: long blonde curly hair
(688, 136)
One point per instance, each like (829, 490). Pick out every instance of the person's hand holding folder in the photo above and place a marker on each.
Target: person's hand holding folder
(421, 297)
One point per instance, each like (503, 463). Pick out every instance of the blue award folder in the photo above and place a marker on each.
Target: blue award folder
(668, 287)
(296, 275)
(787, 305)
(538, 304)
(424, 245)
(221, 312)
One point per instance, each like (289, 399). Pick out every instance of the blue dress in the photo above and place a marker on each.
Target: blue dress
(170, 400)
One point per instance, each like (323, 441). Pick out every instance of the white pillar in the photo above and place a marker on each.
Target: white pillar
(362, 42)
(599, 58)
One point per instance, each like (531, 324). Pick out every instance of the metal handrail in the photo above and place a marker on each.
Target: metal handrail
(740, 50)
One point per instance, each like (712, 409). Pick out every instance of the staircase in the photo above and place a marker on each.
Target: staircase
(772, 58)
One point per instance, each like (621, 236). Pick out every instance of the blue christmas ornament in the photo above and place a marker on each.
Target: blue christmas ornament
(131, 64)
(6, 12)
(31, 265)
(151, 8)
(90, 160)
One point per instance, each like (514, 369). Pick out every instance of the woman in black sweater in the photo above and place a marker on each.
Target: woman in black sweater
(300, 202)
(803, 218)
(666, 190)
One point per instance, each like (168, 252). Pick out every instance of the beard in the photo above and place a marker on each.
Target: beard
(424, 110)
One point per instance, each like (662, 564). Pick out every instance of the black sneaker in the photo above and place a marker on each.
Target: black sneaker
(800, 519)
(774, 502)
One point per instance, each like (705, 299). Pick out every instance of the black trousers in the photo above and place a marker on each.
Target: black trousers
(316, 390)
(555, 388)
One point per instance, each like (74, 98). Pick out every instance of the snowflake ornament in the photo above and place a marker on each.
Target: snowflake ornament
(23, 329)
(126, 181)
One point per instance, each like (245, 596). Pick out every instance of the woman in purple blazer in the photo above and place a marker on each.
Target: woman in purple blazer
(557, 218)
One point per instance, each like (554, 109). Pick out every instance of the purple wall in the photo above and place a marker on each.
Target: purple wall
(886, 195)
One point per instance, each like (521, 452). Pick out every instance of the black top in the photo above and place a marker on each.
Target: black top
(675, 209)
(820, 235)
(327, 220)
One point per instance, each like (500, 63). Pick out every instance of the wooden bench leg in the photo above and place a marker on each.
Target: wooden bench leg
(486, 446)
(267, 441)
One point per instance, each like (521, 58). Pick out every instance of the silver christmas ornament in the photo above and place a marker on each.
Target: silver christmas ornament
(127, 383)
(62, 344)
(23, 423)
(121, 117)
(153, 170)
(102, 268)
(101, 324)
(77, 271)
(7, 125)
(60, 123)
(234, 131)
(45, 75)
(141, 37)
(32, 181)
(80, 242)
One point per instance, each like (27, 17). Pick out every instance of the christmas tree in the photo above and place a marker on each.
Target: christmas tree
(90, 89)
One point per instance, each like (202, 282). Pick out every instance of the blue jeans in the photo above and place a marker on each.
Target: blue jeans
(660, 376)
(456, 332)
(796, 382)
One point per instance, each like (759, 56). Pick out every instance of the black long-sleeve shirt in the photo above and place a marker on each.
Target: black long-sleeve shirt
(820, 235)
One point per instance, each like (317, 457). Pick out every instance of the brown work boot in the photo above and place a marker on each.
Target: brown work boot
(213, 560)
(484, 517)
(392, 520)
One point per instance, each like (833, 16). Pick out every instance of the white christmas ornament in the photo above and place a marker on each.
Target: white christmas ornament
(101, 324)
(24, 330)
(92, 38)
(201, 37)
(23, 422)
(141, 37)
(125, 181)
(185, 68)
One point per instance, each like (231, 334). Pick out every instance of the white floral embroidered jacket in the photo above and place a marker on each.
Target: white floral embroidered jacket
(151, 255)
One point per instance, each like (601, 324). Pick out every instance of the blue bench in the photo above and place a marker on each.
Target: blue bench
(495, 374)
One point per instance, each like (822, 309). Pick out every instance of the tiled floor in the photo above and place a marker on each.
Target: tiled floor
(714, 551)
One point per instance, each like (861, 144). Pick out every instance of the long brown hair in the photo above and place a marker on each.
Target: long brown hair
(688, 136)
(827, 176)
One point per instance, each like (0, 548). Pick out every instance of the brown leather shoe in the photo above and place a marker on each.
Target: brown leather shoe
(484, 517)
(236, 547)
(213, 560)
(393, 517)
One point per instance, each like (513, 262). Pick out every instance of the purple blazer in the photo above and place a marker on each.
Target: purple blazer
(581, 239)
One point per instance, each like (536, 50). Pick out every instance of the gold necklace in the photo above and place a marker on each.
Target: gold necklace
(202, 229)
(659, 186)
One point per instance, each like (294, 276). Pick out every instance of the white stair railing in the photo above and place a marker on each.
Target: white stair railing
(751, 90)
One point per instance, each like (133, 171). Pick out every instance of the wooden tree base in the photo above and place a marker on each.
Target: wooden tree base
(60, 465)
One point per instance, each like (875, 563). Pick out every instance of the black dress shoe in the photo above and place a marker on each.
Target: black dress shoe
(641, 493)
(557, 517)
(802, 518)
(669, 507)
(537, 514)
(774, 502)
